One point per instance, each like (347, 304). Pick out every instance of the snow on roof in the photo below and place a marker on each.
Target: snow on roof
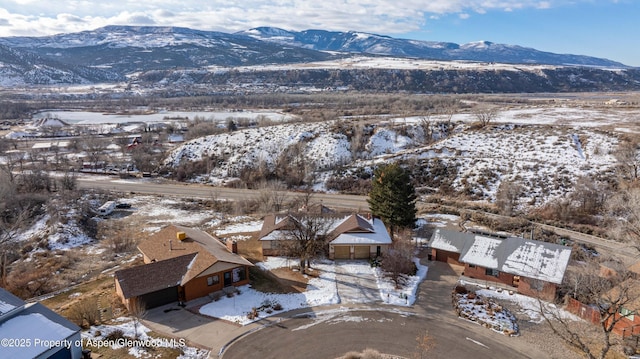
(379, 236)
(34, 324)
(6, 307)
(514, 255)
(482, 252)
(538, 260)
(50, 122)
(450, 241)
(279, 235)
(8, 302)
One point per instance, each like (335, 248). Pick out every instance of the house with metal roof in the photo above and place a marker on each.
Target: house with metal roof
(533, 267)
(35, 331)
(181, 264)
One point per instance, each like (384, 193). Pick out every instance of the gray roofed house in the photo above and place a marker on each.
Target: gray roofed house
(503, 260)
(451, 241)
(39, 326)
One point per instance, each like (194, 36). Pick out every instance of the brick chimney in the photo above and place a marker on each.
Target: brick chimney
(232, 245)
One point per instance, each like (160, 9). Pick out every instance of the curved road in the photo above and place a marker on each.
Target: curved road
(331, 333)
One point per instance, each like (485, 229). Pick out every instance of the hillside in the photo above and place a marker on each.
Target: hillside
(544, 150)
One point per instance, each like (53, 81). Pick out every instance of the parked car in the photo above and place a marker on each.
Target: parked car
(123, 205)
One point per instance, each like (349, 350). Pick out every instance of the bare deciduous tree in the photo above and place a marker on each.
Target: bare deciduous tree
(273, 196)
(95, 148)
(138, 310)
(609, 294)
(11, 221)
(507, 197)
(398, 260)
(486, 115)
(628, 156)
(12, 162)
(427, 129)
(624, 211)
(307, 238)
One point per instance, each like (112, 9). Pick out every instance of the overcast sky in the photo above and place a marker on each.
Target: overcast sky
(601, 28)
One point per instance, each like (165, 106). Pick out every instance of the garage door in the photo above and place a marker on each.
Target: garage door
(449, 257)
(361, 252)
(160, 297)
(341, 252)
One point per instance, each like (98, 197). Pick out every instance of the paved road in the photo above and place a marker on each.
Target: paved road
(331, 335)
(168, 188)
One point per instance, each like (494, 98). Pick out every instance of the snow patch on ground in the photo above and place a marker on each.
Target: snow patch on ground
(320, 291)
(130, 330)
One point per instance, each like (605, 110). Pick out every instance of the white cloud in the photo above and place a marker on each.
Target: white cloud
(33, 17)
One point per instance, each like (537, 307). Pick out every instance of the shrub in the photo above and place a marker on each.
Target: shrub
(460, 290)
(85, 313)
(114, 335)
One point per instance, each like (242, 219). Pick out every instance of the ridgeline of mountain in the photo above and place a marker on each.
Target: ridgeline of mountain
(173, 57)
(359, 42)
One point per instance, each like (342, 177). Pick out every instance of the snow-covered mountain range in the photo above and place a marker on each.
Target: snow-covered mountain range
(153, 54)
(359, 42)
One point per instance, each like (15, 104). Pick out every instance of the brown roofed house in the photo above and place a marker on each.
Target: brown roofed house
(357, 237)
(276, 229)
(181, 264)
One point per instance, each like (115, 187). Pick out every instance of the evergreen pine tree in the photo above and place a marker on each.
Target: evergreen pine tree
(392, 197)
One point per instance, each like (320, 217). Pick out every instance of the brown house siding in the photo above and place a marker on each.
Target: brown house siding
(445, 256)
(626, 327)
(530, 287)
(478, 272)
(197, 287)
(124, 301)
(584, 311)
(524, 285)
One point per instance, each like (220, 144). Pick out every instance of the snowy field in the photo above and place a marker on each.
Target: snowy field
(93, 118)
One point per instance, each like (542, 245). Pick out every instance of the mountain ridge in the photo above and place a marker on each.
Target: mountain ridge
(354, 41)
(118, 53)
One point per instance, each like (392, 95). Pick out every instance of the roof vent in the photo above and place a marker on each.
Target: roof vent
(181, 236)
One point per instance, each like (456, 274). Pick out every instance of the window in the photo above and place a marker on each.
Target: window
(239, 274)
(213, 280)
(627, 313)
(472, 265)
(492, 272)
